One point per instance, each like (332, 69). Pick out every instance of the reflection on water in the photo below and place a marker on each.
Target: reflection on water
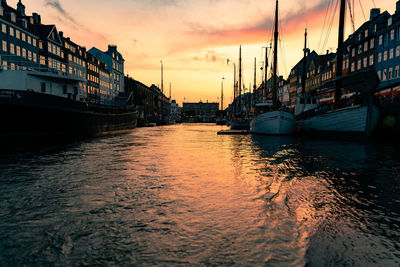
(182, 195)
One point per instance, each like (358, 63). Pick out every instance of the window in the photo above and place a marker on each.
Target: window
(397, 34)
(4, 28)
(365, 63)
(384, 55)
(352, 66)
(384, 75)
(379, 74)
(18, 50)
(13, 17)
(396, 72)
(12, 31)
(34, 42)
(4, 47)
(392, 35)
(43, 85)
(371, 60)
(371, 43)
(398, 51)
(389, 21)
(29, 39)
(34, 57)
(380, 39)
(359, 49)
(366, 33)
(379, 57)
(365, 46)
(391, 53)
(24, 52)
(359, 64)
(42, 60)
(29, 55)
(17, 34)
(390, 70)
(1, 11)
(23, 36)
(386, 41)
(12, 49)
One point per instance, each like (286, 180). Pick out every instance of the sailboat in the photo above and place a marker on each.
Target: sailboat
(270, 118)
(361, 118)
(239, 121)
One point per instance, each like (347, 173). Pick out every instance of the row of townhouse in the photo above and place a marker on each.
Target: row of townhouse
(26, 43)
(374, 45)
(153, 105)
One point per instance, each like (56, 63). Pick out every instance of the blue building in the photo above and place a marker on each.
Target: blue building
(388, 51)
(115, 65)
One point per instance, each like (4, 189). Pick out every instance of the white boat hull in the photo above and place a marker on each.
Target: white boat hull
(356, 119)
(277, 122)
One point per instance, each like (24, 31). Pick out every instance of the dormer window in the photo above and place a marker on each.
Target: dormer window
(389, 21)
(366, 33)
(1, 11)
(13, 17)
(31, 21)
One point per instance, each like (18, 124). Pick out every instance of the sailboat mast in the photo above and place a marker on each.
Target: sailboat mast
(265, 94)
(339, 61)
(162, 77)
(234, 89)
(303, 78)
(240, 79)
(255, 80)
(274, 77)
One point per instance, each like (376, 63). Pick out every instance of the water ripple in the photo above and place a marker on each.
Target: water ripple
(183, 196)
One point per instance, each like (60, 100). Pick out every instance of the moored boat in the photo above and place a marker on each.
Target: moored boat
(269, 118)
(43, 103)
(273, 122)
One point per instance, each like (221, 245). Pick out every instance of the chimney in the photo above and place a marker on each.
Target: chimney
(397, 7)
(21, 8)
(112, 48)
(36, 18)
(375, 12)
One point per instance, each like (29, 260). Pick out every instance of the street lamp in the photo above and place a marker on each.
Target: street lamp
(222, 94)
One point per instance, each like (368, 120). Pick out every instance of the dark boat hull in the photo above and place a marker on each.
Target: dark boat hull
(25, 114)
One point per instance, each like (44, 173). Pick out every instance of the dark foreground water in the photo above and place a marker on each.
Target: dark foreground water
(181, 196)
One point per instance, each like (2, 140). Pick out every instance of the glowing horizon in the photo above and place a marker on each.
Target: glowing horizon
(194, 38)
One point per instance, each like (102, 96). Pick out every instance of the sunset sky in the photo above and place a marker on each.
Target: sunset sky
(195, 37)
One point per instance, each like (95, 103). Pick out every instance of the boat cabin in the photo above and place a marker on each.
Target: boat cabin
(305, 103)
(263, 107)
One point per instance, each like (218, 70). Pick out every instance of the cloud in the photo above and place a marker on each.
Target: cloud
(259, 30)
(57, 5)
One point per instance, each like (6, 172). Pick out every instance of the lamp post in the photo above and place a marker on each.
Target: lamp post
(222, 94)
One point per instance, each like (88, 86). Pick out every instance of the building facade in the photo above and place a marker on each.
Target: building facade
(19, 44)
(115, 65)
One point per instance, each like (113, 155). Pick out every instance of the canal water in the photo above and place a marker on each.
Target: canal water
(182, 195)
